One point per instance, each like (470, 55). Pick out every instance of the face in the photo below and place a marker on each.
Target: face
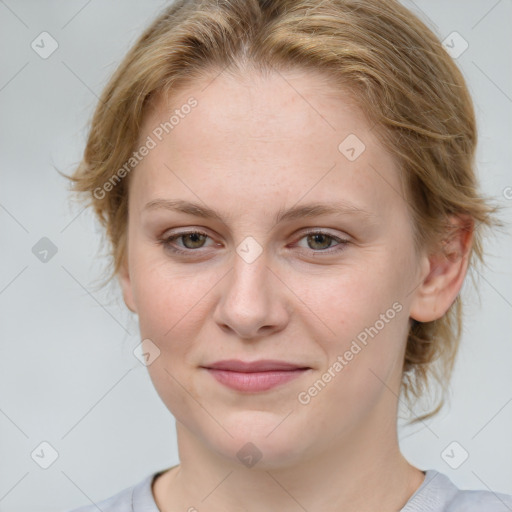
(308, 259)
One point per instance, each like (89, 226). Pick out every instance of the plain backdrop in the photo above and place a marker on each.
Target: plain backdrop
(68, 376)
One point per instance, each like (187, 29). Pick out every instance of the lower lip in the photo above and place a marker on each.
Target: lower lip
(256, 381)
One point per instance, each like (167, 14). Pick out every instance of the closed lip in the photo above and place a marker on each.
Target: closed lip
(263, 365)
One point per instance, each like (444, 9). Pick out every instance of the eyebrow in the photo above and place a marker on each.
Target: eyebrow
(293, 213)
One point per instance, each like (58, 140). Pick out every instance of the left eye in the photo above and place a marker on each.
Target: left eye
(320, 241)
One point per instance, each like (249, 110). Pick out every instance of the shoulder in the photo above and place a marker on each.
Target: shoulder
(480, 501)
(135, 498)
(438, 494)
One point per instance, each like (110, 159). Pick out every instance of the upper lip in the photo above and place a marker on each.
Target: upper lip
(263, 365)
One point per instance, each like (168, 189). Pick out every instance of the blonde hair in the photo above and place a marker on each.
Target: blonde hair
(400, 76)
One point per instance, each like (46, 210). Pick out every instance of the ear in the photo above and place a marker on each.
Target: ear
(126, 285)
(444, 272)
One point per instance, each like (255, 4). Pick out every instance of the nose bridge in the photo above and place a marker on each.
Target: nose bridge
(250, 299)
(250, 266)
(249, 281)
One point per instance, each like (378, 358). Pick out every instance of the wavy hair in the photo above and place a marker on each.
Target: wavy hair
(399, 74)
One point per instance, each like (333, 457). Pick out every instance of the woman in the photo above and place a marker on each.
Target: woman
(289, 190)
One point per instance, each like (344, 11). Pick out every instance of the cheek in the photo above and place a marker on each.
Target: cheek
(169, 298)
(360, 321)
(363, 362)
(171, 312)
(350, 297)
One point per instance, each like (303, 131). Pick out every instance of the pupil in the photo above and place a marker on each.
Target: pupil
(320, 239)
(195, 238)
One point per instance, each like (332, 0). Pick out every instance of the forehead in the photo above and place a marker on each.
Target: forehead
(259, 104)
(277, 137)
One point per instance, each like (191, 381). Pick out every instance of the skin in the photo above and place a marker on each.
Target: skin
(254, 146)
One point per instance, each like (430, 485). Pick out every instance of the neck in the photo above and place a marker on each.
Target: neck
(358, 471)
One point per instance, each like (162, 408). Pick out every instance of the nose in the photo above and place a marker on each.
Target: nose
(253, 300)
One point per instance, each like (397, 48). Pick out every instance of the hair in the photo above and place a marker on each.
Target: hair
(395, 69)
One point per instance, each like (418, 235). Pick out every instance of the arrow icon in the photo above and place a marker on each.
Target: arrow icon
(249, 249)
(146, 352)
(44, 455)
(249, 455)
(454, 455)
(351, 147)
(44, 250)
(455, 44)
(44, 45)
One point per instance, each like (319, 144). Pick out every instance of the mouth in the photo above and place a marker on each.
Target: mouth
(254, 376)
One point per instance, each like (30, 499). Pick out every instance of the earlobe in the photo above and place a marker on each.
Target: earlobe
(445, 272)
(126, 286)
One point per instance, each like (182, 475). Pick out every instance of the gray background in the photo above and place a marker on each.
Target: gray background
(67, 372)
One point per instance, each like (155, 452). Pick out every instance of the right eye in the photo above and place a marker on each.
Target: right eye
(191, 241)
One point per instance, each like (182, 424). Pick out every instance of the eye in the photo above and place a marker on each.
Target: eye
(191, 241)
(320, 241)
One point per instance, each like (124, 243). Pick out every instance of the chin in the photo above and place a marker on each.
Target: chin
(260, 441)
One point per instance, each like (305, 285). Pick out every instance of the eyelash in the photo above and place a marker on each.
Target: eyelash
(168, 245)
